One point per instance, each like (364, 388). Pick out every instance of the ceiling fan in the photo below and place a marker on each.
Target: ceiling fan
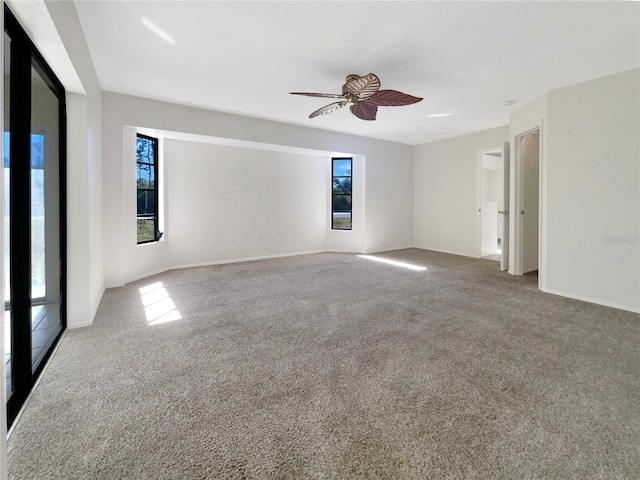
(364, 96)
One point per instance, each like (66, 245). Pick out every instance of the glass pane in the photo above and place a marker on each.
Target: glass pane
(342, 168)
(341, 221)
(146, 202)
(38, 272)
(342, 185)
(7, 190)
(146, 230)
(145, 150)
(7, 209)
(342, 203)
(45, 219)
(145, 176)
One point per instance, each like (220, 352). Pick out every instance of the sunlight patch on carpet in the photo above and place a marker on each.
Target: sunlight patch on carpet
(158, 306)
(395, 263)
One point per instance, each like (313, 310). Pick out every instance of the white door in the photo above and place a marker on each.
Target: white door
(504, 225)
(530, 200)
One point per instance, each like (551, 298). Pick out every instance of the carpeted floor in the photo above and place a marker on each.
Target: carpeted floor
(332, 366)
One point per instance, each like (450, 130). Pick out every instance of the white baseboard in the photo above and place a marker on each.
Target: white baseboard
(265, 257)
(145, 275)
(71, 326)
(470, 255)
(207, 264)
(369, 252)
(245, 259)
(592, 300)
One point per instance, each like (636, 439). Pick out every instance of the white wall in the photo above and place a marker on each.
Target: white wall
(78, 212)
(226, 203)
(85, 262)
(445, 199)
(589, 190)
(492, 184)
(593, 191)
(389, 199)
(385, 169)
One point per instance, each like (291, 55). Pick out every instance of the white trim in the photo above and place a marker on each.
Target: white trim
(542, 209)
(369, 252)
(479, 154)
(94, 311)
(590, 300)
(246, 259)
(145, 275)
(216, 262)
(516, 205)
(79, 325)
(449, 252)
(515, 242)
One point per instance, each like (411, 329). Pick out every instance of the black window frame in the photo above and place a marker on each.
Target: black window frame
(157, 233)
(334, 177)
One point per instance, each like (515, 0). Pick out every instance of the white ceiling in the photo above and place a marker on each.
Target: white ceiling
(464, 58)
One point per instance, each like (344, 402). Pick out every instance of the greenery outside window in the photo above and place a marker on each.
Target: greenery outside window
(341, 194)
(147, 189)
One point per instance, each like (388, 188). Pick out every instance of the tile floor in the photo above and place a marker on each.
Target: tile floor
(45, 324)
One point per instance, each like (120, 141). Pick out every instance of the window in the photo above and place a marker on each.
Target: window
(341, 194)
(147, 188)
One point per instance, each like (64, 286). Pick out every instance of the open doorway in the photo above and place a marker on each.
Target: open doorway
(492, 200)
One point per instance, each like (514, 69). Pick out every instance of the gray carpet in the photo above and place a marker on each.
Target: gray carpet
(331, 366)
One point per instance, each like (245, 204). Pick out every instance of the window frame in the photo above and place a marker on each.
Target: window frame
(157, 234)
(350, 195)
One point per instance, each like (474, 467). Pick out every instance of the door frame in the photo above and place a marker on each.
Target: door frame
(479, 188)
(516, 267)
(24, 58)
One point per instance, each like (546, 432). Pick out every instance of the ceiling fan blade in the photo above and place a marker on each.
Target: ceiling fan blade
(332, 107)
(392, 98)
(362, 86)
(323, 95)
(364, 110)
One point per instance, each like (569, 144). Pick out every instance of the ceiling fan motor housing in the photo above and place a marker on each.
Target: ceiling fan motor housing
(351, 98)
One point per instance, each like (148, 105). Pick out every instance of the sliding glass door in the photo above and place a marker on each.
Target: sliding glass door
(8, 316)
(34, 224)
